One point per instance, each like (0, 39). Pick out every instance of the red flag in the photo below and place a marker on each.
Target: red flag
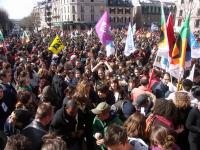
(170, 34)
(150, 80)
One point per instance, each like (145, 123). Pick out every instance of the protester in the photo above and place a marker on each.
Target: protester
(69, 123)
(104, 118)
(38, 127)
(90, 90)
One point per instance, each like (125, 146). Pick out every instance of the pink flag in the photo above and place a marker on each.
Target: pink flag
(103, 29)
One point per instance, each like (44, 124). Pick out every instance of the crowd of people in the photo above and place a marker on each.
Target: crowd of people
(82, 100)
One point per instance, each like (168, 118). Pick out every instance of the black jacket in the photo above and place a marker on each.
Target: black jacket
(63, 125)
(193, 124)
(35, 131)
(59, 85)
(160, 90)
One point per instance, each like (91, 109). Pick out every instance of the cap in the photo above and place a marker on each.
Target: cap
(101, 108)
(141, 99)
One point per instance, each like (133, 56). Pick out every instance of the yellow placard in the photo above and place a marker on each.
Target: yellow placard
(56, 46)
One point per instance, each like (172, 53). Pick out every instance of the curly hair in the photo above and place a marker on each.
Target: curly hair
(135, 125)
(182, 100)
(18, 142)
(161, 136)
(53, 142)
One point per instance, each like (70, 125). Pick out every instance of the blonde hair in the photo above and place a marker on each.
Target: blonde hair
(182, 100)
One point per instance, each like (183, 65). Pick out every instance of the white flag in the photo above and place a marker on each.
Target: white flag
(191, 76)
(110, 49)
(129, 47)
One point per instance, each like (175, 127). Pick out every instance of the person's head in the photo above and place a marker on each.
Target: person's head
(166, 78)
(71, 107)
(83, 88)
(141, 101)
(5, 76)
(115, 138)
(144, 81)
(114, 84)
(135, 125)
(136, 72)
(52, 142)
(78, 64)
(187, 85)
(24, 98)
(102, 91)
(18, 142)
(166, 109)
(196, 93)
(182, 100)
(44, 113)
(101, 73)
(102, 111)
(77, 74)
(161, 137)
(60, 69)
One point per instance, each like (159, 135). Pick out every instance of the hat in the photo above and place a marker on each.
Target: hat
(141, 99)
(101, 108)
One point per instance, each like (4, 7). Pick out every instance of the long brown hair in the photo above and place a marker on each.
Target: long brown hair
(135, 125)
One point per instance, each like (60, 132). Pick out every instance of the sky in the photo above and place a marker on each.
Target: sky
(17, 9)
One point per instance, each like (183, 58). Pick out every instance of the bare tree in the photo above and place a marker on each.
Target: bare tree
(31, 22)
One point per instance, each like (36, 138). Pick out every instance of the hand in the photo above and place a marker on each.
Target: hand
(100, 142)
(180, 129)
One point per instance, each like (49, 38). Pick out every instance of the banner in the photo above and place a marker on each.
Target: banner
(129, 47)
(56, 46)
(110, 49)
(103, 29)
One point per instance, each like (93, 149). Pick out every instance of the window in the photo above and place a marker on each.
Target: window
(198, 12)
(179, 22)
(125, 20)
(92, 17)
(127, 11)
(92, 0)
(82, 0)
(68, 9)
(129, 19)
(74, 19)
(120, 10)
(197, 22)
(182, 1)
(82, 17)
(181, 13)
(112, 11)
(92, 9)
(82, 9)
(73, 9)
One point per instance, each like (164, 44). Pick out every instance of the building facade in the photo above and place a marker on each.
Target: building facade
(70, 14)
(183, 8)
(121, 12)
(39, 12)
(150, 11)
